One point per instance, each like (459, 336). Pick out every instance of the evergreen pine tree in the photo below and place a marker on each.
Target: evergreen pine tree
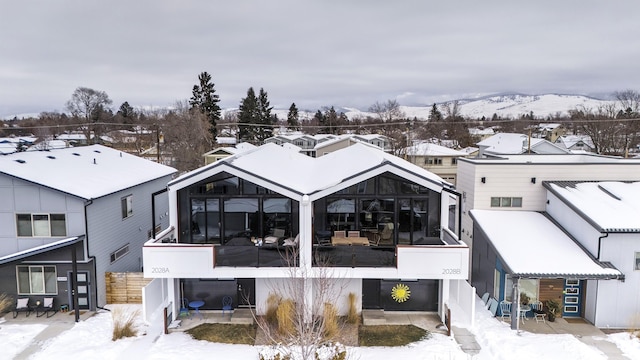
(320, 120)
(331, 121)
(205, 100)
(435, 114)
(293, 121)
(266, 121)
(248, 117)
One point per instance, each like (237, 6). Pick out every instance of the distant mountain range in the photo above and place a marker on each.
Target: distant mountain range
(503, 105)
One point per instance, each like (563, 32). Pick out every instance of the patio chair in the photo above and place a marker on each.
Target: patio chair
(505, 309)
(353, 234)
(227, 305)
(386, 234)
(485, 298)
(340, 233)
(47, 308)
(22, 305)
(538, 311)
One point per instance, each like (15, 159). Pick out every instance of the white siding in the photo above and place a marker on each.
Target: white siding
(580, 229)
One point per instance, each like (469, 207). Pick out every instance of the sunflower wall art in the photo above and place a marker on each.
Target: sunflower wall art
(400, 293)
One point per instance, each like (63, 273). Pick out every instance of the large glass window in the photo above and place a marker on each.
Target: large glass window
(36, 279)
(277, 215)
(341, 214)
(241, 218)
(41, 225)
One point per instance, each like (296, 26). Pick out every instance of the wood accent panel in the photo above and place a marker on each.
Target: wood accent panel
(551, 289)
(125, 288)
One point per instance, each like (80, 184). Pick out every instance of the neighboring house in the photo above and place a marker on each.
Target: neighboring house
(589, 239)
(576, 143)
(322, 144)
(480, 134)
(257, 221)
(438, 159)
(9, 145)
(526, 244)
(512, 144)
(220, 153)
(96, 202)
(551, 132)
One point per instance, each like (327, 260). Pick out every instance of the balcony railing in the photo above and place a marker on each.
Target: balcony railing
(256, 256)
(354, 256)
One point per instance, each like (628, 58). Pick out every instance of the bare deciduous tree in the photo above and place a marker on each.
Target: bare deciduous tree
(304, 300)
(186, 136)
(90, 106)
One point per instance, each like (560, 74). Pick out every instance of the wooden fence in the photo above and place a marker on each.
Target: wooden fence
(125, 288)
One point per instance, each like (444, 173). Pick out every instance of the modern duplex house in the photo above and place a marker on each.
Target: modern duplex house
(256, 222)
(526, 229)
(89, 207)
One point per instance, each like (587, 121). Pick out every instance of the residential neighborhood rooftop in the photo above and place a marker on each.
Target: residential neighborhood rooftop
(552, 159)
(521, 237)
(88, 172)
(612, 206)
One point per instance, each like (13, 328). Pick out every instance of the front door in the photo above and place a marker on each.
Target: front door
(246, 292)
(572, 298)
(371, 294)
(83, 290)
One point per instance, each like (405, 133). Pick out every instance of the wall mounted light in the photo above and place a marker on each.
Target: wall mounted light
(483, 179)
(533, 180)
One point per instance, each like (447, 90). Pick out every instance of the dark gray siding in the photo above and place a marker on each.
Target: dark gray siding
(483, 262)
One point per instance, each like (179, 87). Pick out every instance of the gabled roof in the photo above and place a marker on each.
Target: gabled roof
(609, 206)
(532, 246)
(87, 172)
(568, 141)
(275, 166)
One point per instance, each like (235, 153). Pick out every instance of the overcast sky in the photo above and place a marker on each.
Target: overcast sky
(313, 53)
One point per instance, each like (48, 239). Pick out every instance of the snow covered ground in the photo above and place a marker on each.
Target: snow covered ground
(91, 339)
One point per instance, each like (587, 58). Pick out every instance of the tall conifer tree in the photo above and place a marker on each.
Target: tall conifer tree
(205, 100)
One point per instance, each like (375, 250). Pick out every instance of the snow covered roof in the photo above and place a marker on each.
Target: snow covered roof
(610, 206)
(40, 249)
(569, 141)
(302, 174)
(429, 149)
(532, 246)
(510, 143)
(226, 140)
(553, 159)
(87, 172)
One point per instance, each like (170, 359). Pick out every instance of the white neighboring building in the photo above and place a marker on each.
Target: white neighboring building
(514, 183)
(513, 144)
(237, 224)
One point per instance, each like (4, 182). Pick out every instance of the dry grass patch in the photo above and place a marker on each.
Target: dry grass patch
(6, 302)
(225, 333)
(124, 323)
(390, 335)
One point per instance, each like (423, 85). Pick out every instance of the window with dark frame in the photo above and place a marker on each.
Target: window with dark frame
(127, 206)
(41, 225)
(36, 279)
